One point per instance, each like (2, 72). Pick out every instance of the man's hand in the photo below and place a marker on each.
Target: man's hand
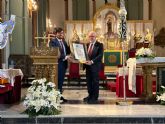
(89, 62)
(71, 59)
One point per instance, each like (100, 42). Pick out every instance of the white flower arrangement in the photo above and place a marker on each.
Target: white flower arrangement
(144, 52)
(42, 98)
(161, 95)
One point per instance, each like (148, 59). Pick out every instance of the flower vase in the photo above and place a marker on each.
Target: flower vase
(145, 56)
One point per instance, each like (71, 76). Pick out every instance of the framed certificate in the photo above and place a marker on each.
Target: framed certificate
(80, 52)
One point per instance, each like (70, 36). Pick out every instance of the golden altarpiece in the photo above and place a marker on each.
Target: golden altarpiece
(105, 22)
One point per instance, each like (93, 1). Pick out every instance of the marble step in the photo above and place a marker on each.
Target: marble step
(82, 120)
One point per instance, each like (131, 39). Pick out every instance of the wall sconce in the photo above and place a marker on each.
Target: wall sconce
(49, 25)
(32, 6)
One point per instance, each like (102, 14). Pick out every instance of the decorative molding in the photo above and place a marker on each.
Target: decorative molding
(140, 21)
(43, 51)
(78, 21)
(160, 38)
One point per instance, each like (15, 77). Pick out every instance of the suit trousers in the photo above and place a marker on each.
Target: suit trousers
(61, 74)
(92, 83)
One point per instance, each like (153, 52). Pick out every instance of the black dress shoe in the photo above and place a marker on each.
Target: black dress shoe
(86, 99)
(63, 100)
(91, 101)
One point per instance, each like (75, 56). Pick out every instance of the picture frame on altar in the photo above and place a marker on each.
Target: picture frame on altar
(80, 52)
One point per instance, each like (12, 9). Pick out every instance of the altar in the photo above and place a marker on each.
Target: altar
(10, 90)
(10, 74)
(148, 64)
(105, 23)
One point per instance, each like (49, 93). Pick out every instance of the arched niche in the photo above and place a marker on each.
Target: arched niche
(106, 21)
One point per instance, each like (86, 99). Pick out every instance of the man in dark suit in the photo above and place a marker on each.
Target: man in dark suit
(93, 66)
(60, 42)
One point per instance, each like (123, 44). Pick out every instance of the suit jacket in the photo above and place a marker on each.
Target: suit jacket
(96, 56)
(56, 43)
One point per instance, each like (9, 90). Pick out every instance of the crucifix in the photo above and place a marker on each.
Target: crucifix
(44, 38)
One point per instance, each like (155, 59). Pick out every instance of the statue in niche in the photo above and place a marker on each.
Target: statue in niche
(75, 37)
(148, 39)
(111, 37)
(148, 36)
(138, 40)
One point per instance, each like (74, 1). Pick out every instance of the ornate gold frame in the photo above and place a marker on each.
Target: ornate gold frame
(109, 6)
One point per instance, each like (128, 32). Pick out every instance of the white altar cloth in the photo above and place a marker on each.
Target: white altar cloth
(132, 70)
(126, 70)
(150, 60)
(131, 63)
(10, 74)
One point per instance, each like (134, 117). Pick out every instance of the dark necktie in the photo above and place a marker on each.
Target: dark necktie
(90, 49)
(62, 47)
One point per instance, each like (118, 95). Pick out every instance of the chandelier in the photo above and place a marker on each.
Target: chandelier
(32, 5)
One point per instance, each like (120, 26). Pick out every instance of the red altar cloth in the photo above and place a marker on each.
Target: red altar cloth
(11, 94)
(4, 93)
(119, 86)
(16, 92)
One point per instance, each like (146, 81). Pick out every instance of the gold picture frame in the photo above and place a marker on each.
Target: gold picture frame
(80, 52)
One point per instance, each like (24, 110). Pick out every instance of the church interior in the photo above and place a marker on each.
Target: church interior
(132, 70)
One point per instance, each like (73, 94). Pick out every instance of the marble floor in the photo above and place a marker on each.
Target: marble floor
(106, 107)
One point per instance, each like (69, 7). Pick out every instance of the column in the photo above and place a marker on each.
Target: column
(150, 9)
(66, 9)
(94, 7)
(147, 82)
(34, 28)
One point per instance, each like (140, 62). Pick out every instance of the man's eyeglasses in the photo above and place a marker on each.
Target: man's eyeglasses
(91, 36)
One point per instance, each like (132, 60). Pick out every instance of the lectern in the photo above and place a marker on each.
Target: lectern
(45, 63)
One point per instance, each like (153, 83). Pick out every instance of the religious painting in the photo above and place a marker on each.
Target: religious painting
(80, 52)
